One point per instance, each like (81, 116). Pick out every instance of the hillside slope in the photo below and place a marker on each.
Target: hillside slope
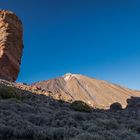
(97, 93)
(25, 115)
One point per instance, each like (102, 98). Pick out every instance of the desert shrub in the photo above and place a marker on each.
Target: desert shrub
(57, 133)
(14, 100)
(137, 129)
(71, 132)
(133, 124)
(61, 101)
(6, 131)
(108, 135)
(78, 116)
(88, 136)
(65, 122)
(128, 135)
(41, 134)
(70, 122)
(94, 128)
(30, 132)
(111, 124)
(61, 114)
(116, 106)
(26, 133)
(107, 124)
(9, 92)
(37, 119)
(80, 106)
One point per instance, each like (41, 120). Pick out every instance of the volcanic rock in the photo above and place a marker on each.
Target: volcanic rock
(133, 102)
(11, 45)
(97, 93)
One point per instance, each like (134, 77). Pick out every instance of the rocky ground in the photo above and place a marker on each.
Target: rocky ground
(26, 115)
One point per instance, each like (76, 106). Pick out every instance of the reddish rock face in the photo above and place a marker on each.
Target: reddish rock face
(11, 45)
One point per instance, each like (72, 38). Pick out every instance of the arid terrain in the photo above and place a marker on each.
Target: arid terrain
(71, 107)
(97, 93)
(27, 115)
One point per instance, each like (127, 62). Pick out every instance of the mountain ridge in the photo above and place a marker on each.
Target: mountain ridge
(97, 93)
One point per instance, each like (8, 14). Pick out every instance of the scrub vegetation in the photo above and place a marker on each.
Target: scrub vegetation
(24, 115)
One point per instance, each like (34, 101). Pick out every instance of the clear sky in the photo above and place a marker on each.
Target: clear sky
(98, 38)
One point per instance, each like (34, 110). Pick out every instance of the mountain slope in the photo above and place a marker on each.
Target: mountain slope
(97, 93)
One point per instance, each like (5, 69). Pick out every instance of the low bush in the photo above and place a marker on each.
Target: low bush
(80, 106)
(9, 92)
(57, 133)
(39, 117)
(127, 134)
(6, 132)
(88, 136)
(116, 106)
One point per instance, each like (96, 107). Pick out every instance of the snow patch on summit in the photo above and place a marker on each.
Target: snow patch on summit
(68, 76)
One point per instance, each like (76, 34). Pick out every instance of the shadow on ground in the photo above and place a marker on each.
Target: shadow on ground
(24, 115)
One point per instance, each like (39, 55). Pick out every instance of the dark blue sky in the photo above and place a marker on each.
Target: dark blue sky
(98, 38)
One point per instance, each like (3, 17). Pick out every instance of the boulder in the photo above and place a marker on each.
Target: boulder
(11, 45)
(133, 102)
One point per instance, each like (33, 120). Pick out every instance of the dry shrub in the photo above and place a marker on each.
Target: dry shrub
(88, 136)
(80, 106)
(7, 92)
(116, 106)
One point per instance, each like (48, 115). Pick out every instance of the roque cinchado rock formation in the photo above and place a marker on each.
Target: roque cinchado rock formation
(11, 45)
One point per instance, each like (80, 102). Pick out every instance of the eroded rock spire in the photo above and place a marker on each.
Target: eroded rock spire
(11, 45)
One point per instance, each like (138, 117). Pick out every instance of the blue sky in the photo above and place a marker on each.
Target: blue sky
(98, 38)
